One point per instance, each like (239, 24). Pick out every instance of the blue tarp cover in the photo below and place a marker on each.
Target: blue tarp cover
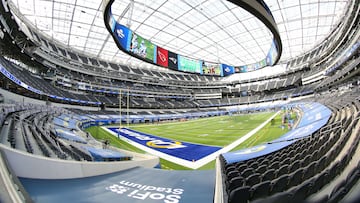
(68, 135)
(101, 154)
(137, 185)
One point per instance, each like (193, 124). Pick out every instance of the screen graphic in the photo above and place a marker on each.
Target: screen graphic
(227, 70)
(189, 65)
(112, 22)
(123, 34)
(142, 47)
(162, 57)
(211, 69)
(173, 60)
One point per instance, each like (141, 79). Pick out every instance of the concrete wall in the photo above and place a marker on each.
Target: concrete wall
(32, 166)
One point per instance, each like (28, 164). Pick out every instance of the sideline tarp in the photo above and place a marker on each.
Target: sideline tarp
(138, 185)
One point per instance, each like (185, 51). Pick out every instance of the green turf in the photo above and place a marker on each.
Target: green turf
(217, 131)
(269, 132)
(214, 131)
(101, 135)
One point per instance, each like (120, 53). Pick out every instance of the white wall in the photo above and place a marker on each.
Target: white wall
(33, 166)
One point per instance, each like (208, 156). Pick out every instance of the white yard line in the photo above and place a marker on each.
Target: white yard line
(198, 163)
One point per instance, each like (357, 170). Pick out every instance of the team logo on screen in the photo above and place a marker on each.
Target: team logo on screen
(227, 69)
(162, 57)
(120, 33)
(174, 60)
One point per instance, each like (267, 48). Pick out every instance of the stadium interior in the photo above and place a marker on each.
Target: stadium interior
(63, 72)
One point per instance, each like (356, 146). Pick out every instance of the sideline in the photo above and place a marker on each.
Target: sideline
(201, 162)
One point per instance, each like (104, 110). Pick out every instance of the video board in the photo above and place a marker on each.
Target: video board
(143, 48)
(189, 65)
(227, 70)
(123, 35)
(211, 69)
(162, 57)
(139, 47)
(272, 54)
(112, 21)
(173, 60)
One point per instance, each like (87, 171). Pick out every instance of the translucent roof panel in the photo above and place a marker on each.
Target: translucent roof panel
(212, 30)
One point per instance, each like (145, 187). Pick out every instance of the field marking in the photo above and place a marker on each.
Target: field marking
(231, 146)
(184, 137)
(197, 163)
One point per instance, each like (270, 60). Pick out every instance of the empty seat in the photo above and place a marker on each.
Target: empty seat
(264, 162)
(286, 161)
(338, 194)
(274, 165)
(302, 191)
(306, 160)
(241, 167)
(269, 175)
(279, 184)
(282, 170)
(353, 177)
(232, 174)
(247, 172)
(322, 163)
(253, 179)
(235, 183)
(310, 170)
(261, 190)
(294, 166)
(230, 168)
(296, 177)
(319, 182)
(279, 197)
(254, 165)
(240, 195)
(261, 169)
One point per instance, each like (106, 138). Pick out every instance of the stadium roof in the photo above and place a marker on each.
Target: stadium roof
(212, 30)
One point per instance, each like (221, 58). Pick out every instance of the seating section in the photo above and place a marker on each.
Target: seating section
(32, 129)
(305, 167)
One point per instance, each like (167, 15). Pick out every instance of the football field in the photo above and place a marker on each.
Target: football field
(214, 131)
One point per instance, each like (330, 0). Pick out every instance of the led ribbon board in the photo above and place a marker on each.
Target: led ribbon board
(136, 46)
